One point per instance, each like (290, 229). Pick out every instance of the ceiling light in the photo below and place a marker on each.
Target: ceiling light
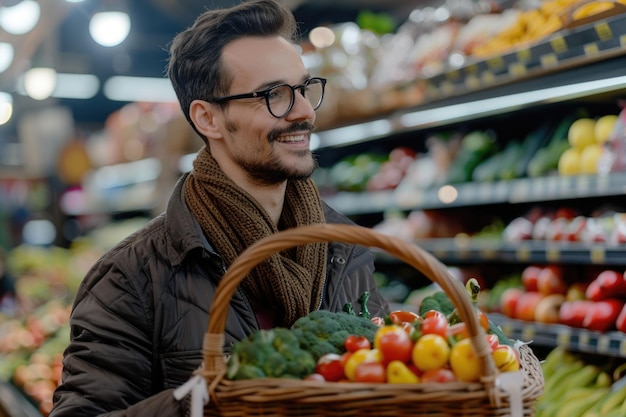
(21, 18)
(39, 83)
(109, 28)
(6, 55)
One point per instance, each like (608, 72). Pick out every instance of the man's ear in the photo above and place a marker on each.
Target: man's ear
(202, 114)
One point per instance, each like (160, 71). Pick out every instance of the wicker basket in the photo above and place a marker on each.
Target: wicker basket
(288, 397)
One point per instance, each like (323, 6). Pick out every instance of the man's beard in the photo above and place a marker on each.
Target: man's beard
(272, 171)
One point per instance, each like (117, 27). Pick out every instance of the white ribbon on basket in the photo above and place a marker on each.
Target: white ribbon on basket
(196, 386)
(511, 383)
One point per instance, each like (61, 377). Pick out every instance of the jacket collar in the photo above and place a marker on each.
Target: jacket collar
(184, 231)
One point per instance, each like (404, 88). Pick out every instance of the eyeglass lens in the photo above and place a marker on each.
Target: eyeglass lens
(280, 99)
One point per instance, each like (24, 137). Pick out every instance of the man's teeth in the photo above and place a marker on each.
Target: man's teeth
(292, 138)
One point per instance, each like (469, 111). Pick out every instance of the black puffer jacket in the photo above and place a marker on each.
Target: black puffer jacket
(141, 313)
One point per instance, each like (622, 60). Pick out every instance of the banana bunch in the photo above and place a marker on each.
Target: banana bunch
(574, 388)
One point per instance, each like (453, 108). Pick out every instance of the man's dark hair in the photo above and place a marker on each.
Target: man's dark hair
(195, 67)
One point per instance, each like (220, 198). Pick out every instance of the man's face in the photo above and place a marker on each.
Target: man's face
(268, 149)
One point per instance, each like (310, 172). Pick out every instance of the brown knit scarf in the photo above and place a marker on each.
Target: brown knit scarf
(291, 281)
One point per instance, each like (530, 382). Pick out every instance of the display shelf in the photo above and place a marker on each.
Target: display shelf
(467, 250)
(579, 46)
(582, 62)
(523, 190)
(612, 343)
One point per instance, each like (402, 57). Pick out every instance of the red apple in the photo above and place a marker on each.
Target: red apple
(508, 301)
(551, 281)
(526, 306)
(530, 276)
(572, 313)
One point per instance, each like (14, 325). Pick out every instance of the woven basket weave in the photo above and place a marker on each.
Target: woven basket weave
(289, 397)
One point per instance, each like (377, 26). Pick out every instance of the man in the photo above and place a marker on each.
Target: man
(141, 312)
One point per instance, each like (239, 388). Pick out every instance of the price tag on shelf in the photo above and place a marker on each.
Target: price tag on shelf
(549, 61)
(622, 348)
(597, 254)
(472, 82)
(553, 254)
(524, 55)
(603, 30)
(528, 332)
(523, 253)
(622, 40)
(447, 87)
(563, 337)
(583, 340)
(604, 343)
(488, 253)
(496, 63)
(558, 44)
(453, 75)
(488, 78)
(471, 69)
(507, 328)
(591, 49)
(517, 69)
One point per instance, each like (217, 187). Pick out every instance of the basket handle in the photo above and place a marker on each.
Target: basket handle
(403, 250)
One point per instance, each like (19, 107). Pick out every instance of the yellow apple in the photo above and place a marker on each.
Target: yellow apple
(604, 126)
(582, 132)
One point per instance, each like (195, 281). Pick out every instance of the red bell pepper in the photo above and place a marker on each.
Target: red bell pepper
(608, 284)
(602, 315)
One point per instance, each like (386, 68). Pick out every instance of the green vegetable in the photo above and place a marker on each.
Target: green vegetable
(324, 331)
(274, 353)
(437, 301)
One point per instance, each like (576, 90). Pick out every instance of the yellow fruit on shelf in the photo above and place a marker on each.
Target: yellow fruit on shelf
(604, 127)
(569, 162)
(591, 8)
(589, 158)
(582, 132)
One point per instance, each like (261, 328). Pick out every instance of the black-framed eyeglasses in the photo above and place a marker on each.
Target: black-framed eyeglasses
(280, 98)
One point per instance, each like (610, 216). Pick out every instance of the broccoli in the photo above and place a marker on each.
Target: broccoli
(437, 301)
(272, 353)
(324, 331)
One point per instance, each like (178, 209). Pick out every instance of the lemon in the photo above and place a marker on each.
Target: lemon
(589, 158)
(604, 127)
(569, 162)
(582, 132)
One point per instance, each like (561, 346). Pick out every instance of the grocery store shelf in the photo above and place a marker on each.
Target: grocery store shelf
(467, 250)
(611, 343)
(574, 64)
(523, 190)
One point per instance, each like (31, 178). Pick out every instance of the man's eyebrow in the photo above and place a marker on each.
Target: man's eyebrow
(274, 83)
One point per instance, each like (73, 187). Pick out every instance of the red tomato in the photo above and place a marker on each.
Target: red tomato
(401, 316)
(354, 343)
(395, 345)
(330, 367)
(438, 375)
(370, 372)
(435, 322)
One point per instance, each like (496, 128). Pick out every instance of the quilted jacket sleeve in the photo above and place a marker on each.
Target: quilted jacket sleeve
(108, 364)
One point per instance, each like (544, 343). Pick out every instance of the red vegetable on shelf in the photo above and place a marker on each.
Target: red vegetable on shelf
(602, 315)
(608, 284)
